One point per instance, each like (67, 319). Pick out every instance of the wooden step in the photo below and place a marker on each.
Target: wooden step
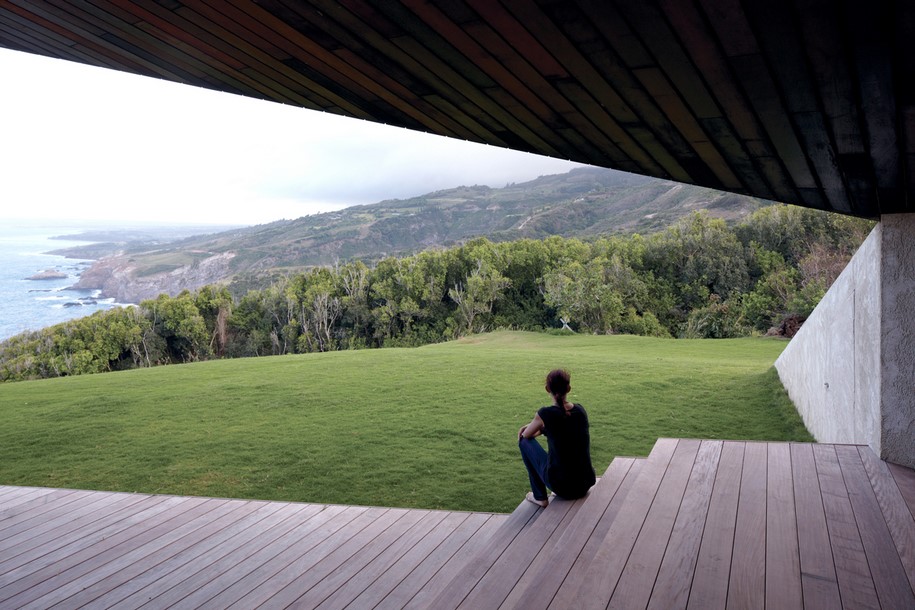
(905, 480)
(886, 505)
(467, 578)
(649, 509)
(570, 542)
(511, 567)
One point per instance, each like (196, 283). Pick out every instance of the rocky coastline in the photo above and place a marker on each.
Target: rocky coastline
(122, 279)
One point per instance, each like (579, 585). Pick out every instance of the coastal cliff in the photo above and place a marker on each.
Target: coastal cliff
(121, 278)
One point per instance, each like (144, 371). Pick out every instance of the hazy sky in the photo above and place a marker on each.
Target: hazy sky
(87, 143)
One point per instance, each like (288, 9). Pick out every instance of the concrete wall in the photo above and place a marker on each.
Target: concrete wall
(897, 382)
(850, 371)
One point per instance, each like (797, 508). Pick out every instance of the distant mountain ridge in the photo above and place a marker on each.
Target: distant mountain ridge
(581, 203)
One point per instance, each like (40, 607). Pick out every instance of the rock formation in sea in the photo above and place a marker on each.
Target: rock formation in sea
(49, 274)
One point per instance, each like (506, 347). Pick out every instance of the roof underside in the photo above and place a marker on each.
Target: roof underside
(809, 102)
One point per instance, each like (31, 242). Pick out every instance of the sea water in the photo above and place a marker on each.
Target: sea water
(34, 304)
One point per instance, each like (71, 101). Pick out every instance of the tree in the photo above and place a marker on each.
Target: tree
(476, 294)
(582, 295)
(178, 322)
(354, 280)
(215, 305)
(318, 308)
(694, 259)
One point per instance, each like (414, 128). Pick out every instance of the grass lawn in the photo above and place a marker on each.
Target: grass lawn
(431, 427)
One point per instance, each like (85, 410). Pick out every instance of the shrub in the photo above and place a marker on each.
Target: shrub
(717, 320)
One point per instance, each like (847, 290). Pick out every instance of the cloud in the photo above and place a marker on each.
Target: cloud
(85, 142)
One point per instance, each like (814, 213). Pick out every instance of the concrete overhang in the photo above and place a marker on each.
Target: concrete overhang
(800, 101)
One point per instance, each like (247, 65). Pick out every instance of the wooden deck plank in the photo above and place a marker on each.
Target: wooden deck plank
(905, 481)
(671, 589)
(317, 562)
(898, 518)
(388, 571)
(367, 566)
(15, 496)
(154, 577)
(601, 576)
(709, 589)
(33, 507)
(80, 530)
(747, 583)
(819, 585)
(783, 564)
(568, 587)
(58, 520)
(499, 580)
(88, 560)
(890, 580)
(546, 573)
(130, 569)
(78, 552)
(134, 576)
(396, 576)
(641, 571)
(32, 512)
(856, 585)
(137, 549)
(9, 489)
(444, 564)
(193, 592)
(337, 573)
(463, 583)
(235, 550)
(550, 551)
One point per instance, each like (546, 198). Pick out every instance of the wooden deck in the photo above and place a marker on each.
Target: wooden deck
(697, 524)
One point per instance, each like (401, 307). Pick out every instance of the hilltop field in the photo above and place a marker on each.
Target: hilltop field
(432, 427)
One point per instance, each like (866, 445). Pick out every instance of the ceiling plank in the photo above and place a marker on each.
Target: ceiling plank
(612, 49)
(873, 63)
(33, 12)
(737, 124)
(780, 40)
(738, 42)
(367, 82)
(537, 66)
(681, 90)
(497, 101)
(578, 66)
(394, 52)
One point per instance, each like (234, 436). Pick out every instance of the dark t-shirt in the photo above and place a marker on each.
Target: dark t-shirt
(569, 468)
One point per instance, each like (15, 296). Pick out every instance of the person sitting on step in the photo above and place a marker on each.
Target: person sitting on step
(567, 468)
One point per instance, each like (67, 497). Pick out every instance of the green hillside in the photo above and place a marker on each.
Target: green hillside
(584, 202)
(425, 427)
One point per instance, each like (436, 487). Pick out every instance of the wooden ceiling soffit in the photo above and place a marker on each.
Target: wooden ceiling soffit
(679, 86)
(802, 101)
(735, 124)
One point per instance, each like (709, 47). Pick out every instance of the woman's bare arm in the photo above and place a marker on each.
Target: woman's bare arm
(535, 428)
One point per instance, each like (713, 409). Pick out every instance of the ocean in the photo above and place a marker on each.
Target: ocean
(33, 304)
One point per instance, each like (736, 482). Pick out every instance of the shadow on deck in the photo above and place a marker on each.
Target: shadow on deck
(697, 524)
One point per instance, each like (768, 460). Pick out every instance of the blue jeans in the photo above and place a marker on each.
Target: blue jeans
(535, 460)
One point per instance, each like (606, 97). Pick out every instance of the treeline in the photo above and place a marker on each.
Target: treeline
(698, 278)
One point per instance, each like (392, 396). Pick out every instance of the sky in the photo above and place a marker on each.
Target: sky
(78, 142)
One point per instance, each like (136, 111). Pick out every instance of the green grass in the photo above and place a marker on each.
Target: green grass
(428, 427)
